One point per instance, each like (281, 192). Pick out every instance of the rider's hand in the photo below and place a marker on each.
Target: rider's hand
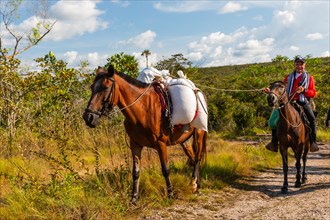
(266, 90)
(300, 89)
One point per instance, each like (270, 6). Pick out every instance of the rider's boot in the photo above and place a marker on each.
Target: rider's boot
(314, 147)
(273, 145)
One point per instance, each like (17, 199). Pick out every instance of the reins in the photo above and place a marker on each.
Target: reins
(113, 90)
(279, 98)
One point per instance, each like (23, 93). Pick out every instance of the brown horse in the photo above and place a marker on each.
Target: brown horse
(291, 132)
(144, 123)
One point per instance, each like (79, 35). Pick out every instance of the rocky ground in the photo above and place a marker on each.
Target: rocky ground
(259, 197)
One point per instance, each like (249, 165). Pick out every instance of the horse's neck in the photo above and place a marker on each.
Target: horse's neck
(130, 98)
(289, 114)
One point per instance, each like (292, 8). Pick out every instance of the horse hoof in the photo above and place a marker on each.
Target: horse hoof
(193, 184)
(170, 196)
(304, 181)
(134, 201)
(196, 192)
(284, 190)
(297, 185)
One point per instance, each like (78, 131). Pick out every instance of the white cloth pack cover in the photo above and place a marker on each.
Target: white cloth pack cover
(148, 74)
(201, 119)
(202, 116)
(184, 102)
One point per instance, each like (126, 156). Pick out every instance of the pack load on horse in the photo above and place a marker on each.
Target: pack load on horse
(188, 104)
(144, 106)
(291, 132)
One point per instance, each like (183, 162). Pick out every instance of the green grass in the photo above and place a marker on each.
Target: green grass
(74, 184)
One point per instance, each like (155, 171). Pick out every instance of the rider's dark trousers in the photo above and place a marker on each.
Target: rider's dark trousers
(311, 118)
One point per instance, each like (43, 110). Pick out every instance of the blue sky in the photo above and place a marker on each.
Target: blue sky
(208, 33)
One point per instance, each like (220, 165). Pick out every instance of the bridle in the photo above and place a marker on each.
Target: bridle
(108, 103)
(279, 99)
(279, 102)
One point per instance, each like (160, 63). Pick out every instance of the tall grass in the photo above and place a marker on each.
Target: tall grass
(89, 175)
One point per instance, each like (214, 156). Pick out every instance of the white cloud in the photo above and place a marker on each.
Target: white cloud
(185, 6)
(95, 59)
(325, 54)
(285, 17)
(314, 36)
(195, 56)
(294, 48)
(240, 46)
(231, 7)
(74, 19)
(255, 47)
(71, 56)
(143, 40)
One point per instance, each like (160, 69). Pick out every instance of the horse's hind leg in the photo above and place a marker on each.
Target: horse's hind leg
(284, 153)
(136, 154)
(304, 175)
(199, 145)
(298, 166)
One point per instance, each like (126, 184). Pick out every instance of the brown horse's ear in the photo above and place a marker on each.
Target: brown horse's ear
(111, 70)
(99, 70)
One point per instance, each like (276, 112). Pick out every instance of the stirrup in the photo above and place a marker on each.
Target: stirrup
(272, 146)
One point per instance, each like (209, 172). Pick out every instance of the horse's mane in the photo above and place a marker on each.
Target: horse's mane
(133, 81)
(126, 77)
(277, 82)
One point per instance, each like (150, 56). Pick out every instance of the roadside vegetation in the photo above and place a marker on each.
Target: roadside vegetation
(52, 166)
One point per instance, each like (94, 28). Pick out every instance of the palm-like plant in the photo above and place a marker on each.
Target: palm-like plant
(146, 53)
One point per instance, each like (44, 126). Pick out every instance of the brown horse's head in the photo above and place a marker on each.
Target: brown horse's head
(277, 93)
(103, 96)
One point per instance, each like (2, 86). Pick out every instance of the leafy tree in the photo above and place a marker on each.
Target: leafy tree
(9, 13)
(174, 63)
(124, 63)
(146, 53)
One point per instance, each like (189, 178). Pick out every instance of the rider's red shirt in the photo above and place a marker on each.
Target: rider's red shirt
(309, 93)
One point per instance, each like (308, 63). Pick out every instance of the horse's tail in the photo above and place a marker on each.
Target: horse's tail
(204, 150)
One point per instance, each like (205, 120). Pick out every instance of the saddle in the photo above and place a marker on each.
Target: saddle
(165, 102)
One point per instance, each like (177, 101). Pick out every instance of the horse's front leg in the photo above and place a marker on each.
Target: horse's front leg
(284, 153)
(136, 154)
(162, 151)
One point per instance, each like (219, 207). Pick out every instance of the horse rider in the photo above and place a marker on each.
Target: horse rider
(300, 85)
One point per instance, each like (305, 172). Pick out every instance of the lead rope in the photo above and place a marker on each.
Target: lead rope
(136, 100)
(289, 101)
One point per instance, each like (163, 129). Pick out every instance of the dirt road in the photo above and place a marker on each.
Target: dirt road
(259, 197)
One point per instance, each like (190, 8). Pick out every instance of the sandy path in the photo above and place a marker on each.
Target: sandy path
(259, 197)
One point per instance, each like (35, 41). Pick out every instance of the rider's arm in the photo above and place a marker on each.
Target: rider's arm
(310, 92)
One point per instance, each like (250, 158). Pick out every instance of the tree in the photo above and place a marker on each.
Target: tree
(146, 53)
(9, 13)
(175, 63)
(124, 63)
